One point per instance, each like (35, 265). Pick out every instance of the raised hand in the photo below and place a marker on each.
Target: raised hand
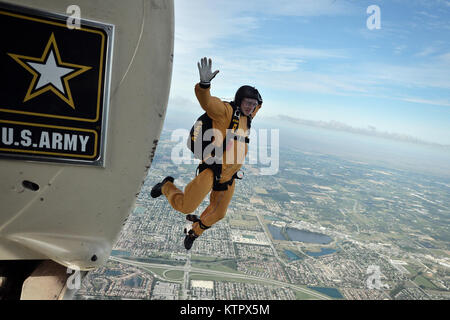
(205, 70)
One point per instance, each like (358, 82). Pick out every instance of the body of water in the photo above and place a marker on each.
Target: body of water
(276, 232)
(292, 256)
(299, 235)
(323, 252)
(307, 236)
(331, 292)
(120, 253)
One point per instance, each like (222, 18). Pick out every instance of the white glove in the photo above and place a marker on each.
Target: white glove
(204, 68)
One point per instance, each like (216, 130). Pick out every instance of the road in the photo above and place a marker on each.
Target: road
(185, 285)
(269, 238)
(219, 274)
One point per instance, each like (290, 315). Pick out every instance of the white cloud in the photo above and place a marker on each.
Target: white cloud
(272, 59)
(445, 59)
(199, 25)
(427, 14)
(445, 3)
(370, 130)
(426, 75)
(441, 102)
(304, 53)
(426, 52)
(205, 28)
(399, 49)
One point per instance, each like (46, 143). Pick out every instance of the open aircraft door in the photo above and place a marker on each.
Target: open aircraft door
(82, 105)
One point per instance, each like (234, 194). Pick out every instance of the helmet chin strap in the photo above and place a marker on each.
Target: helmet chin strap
(238, 110)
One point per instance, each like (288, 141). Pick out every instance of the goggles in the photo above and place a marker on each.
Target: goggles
(250, 102)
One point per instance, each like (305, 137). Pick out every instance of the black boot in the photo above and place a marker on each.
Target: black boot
(157, 189)
(189, 239)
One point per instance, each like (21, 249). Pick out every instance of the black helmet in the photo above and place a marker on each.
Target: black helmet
(247, 92)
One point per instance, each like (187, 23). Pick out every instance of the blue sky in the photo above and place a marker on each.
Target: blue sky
(317, 60)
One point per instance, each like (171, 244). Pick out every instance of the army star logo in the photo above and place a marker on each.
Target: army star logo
(50, 73)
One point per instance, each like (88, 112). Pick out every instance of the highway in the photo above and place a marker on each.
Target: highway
(266, 232)
(187, 268)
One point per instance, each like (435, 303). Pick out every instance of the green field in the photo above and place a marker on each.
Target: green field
(199, 276)
(413, 272)
(157, 271)
(174, 274)
(424, 283)
(298, 294)
(220, 265)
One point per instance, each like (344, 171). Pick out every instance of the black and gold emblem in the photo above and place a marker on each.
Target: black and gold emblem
(54, 85)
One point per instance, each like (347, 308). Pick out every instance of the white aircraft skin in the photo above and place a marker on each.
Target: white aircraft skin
(77, 212)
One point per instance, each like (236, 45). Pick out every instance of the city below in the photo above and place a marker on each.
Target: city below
(321, 228)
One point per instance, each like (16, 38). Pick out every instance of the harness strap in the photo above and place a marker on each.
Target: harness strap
(223, 186)
(216, 168)
(217, 171)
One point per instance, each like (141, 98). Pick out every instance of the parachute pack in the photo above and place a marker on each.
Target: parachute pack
(200, 138)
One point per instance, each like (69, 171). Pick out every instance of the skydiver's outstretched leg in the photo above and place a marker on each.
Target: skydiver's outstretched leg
(217, 209)
(219, 201)
(194, 193)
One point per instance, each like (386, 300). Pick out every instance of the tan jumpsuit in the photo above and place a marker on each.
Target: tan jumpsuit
(186, 202)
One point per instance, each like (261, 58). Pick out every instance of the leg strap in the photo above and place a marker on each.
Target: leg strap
(216, 168)
(217, 171)
(194, 219)
(224, 186)
(202, 226)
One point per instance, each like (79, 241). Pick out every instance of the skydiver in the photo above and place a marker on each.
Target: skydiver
(219, 176)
